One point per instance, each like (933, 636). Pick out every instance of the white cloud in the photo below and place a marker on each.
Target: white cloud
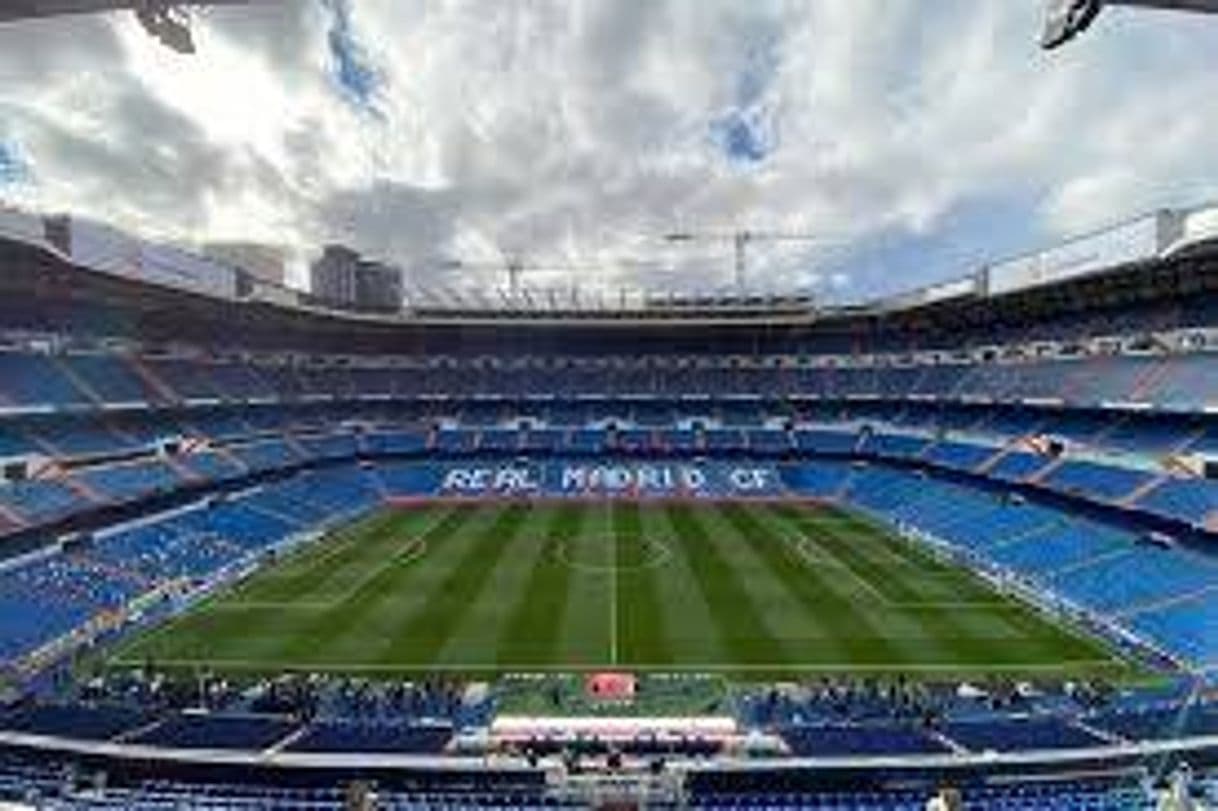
(580, 131)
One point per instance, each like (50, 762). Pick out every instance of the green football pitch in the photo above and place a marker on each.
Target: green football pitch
(766, 590)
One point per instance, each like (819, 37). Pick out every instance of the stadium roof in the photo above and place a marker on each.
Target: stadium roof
(1147, 255)
(25, 9)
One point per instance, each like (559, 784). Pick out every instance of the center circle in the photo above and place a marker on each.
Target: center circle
(655, 553)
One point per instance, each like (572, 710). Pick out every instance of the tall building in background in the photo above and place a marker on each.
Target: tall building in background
(341, 278)
(332, 276)
(265, 263)
(378, 287)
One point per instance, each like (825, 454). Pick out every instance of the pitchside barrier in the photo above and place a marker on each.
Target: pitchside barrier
(146, 761)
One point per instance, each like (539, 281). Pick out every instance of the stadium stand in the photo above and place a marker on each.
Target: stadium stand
(137, 480)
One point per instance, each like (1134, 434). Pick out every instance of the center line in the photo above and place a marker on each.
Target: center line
(613, 590)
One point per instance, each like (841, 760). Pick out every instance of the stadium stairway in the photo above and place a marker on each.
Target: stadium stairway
(1025, 535)
(1149, 381)
(83, 490)
(37, 442)
(1042, 473)
(77, 380)
(10, 519)
(1143, 490)
(1083, 563)
(295, 446)
(182, 471)
(124, 436)
(1012, 445)
(1163, 603)
(226, 453)
(160, 390)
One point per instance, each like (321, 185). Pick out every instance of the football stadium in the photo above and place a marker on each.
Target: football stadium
(355, 537)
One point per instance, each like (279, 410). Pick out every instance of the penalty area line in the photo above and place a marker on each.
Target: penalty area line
(303, 558)
(812, 554)
(410, 551)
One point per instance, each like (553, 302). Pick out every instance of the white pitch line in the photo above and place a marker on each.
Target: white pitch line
(409, 551)
(805, 542)
(612, 590)
(301, 556)
(661, 554)
(613, 618)
(832, 667)
(813, 554)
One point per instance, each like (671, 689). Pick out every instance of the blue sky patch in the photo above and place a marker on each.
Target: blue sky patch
(977, 231)
(744, 137)
(13, 167)
(746, 133)
(358, 79)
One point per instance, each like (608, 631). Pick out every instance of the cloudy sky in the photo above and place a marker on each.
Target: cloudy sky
(912, 138)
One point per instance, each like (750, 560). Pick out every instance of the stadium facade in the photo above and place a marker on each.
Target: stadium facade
(171, 426)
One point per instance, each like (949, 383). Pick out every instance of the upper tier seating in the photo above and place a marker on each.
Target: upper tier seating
(329, 446)
(1180, 382)
(108, 378)
(1103, 482)
(1018, 465)
(267, 455)
(1191, 500)
(822, 441)
(39, 501)
(15, 441)
(128, 481)
(212, 465)
(34, 380)
(385, 441)
(80, 437)
(960, 455)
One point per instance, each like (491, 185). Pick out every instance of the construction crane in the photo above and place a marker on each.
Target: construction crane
(1066, 19)
(515, 268)
(740, 241)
